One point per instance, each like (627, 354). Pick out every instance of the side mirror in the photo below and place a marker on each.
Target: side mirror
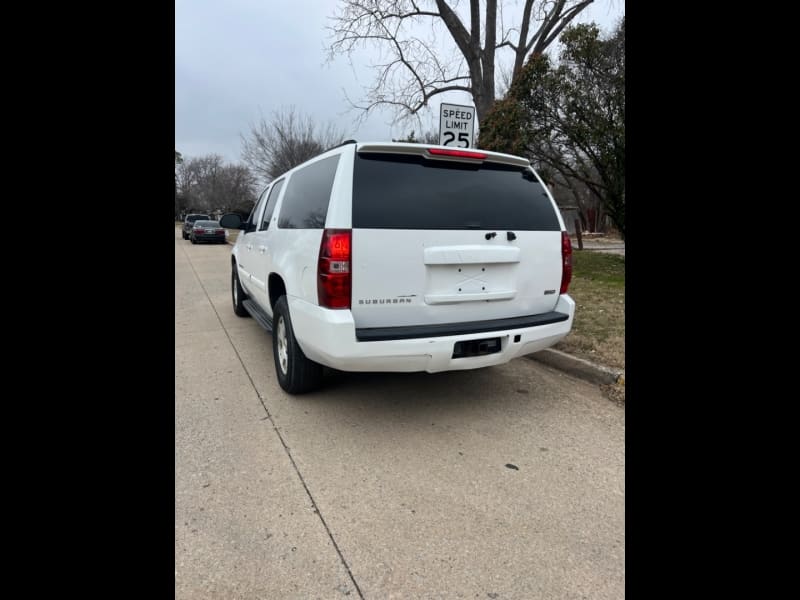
(232, 221)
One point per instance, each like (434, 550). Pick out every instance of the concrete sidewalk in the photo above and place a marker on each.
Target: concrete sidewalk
(595, 246)
(245, 526)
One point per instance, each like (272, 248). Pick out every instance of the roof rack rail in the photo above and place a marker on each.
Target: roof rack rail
(344, 143)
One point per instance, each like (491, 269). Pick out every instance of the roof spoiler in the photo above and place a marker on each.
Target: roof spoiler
(423, 150)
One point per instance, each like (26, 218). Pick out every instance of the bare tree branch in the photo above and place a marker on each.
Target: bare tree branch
(206, 184)
(558, 26)
(413, 68)
(521, 48)
(288, 139)
(457, 30)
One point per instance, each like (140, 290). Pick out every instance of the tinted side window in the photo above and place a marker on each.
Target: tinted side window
(254, 214)
(271, 200)
(305, 203)
(411, 192)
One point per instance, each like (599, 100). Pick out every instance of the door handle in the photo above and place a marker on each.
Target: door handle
(249, 246)
(262, 249)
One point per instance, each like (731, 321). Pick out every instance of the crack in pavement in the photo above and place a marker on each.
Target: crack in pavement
(275, 429)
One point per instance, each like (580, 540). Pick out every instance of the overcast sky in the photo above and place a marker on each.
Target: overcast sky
(238, 59)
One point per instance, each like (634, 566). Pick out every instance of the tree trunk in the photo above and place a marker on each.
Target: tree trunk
(468, 42)
(487, 61)
(483, 95)
(522, 50)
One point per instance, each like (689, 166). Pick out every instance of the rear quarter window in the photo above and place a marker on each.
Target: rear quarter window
(308, 192)
(412, 192)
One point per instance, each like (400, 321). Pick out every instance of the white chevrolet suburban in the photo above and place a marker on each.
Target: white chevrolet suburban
(402, 257)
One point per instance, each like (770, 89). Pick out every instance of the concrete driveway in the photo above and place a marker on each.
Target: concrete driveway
(506, 482)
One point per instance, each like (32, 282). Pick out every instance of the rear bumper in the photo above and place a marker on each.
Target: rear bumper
(329, 338)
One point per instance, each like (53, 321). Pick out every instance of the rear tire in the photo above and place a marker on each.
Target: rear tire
(238, 295)
(183, 235)
(296, 373)
(193, 240)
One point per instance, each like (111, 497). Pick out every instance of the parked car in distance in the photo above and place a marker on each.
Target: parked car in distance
(189, 222)
(207, 231)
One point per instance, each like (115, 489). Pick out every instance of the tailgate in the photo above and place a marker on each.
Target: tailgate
(433, 277)
(437, 242)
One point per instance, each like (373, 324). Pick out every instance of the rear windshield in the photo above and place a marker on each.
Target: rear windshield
(193, 218)
(411, 192)
(207, 223)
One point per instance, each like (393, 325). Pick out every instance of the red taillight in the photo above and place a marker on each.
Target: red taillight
(333, 271)
(198, 230)
(566, 259)
(220, 231)
(457, 153)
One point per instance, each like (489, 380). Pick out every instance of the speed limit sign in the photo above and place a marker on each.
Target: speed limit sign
(457, 125)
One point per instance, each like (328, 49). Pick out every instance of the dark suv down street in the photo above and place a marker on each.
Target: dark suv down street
(188, 223)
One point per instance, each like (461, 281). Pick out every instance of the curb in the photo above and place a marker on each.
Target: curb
(577, 367)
